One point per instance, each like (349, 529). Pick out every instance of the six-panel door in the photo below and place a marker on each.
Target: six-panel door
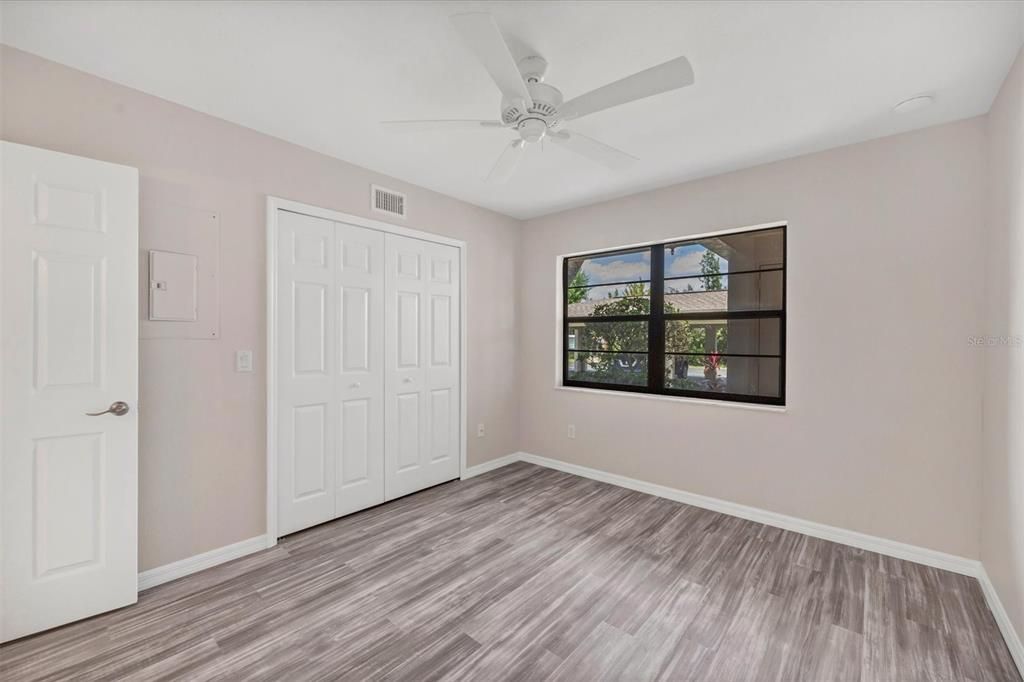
(70, 347)
(422, 365)
(330, 369)
(368, 368)
(359, 475)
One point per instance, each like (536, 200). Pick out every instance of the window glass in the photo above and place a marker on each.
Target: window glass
(605, 285)
(623, 267)
(723, 374)
(608, 336)
(759, 336)
(708, 314)
(722, 254)
(627, 369)
(610, 300)
(734, 293)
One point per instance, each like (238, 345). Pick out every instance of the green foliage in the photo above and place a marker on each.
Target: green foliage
(619, 337)
(710, 271)
(580, 279)
(622, 338)
(682, 336)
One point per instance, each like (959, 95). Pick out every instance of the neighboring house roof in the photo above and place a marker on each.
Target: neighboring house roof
(690, 302)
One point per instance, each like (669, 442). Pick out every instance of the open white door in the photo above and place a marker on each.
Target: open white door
(69, 320)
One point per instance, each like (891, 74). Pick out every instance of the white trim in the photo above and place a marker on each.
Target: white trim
(199, 562)
(273, 205)
(669, 240)
(271, 360)
(359, 221)
(463, 355)
(899, 550)
(1010, 636)
(490, 465)
(780, 409)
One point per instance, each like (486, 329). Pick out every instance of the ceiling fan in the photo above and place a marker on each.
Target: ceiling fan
(535, 110)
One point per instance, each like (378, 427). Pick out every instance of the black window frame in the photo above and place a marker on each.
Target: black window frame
(656, 324)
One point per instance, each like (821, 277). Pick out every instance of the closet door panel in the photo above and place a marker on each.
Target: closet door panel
(359, 455)
(307, 431)
(443, 368)
(422, 373)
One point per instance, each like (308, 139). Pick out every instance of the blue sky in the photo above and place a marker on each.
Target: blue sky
(636, 267)
(686, 261)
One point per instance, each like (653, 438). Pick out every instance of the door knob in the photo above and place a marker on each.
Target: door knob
(407, 380)
(355, 384)
(118, 409)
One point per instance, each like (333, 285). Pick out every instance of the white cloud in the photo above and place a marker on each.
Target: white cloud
(617, 271)
(688, 263)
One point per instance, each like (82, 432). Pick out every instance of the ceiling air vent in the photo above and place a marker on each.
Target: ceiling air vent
(387, 201)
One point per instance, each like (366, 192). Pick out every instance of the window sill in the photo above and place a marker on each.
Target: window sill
(781, 409)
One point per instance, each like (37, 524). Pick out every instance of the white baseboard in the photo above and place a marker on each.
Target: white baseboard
(490, 465)
(199, 562)
(899, 550)
(1010, 636)
(179, 569)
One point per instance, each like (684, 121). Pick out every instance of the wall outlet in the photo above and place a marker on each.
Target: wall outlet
(479, 430)
(572, 431)
(243, 360)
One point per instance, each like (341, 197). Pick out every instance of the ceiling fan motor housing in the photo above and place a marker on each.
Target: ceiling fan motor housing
(532, 122)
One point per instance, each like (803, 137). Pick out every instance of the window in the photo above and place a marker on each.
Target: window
(704, 318)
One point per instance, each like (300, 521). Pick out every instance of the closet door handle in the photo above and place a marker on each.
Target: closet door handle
(355, 384)
(407, 380)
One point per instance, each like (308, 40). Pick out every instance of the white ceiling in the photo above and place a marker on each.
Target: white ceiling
(773, 80)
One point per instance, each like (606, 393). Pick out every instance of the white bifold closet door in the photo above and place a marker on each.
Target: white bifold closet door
(422, 359)
(330, 370)
(367, 368)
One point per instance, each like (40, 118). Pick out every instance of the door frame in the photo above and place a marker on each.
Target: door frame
(274, 204)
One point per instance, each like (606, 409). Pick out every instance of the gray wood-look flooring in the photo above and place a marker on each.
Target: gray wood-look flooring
(532, 574)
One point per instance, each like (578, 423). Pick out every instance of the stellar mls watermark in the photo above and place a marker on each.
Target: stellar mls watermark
(1009, 341)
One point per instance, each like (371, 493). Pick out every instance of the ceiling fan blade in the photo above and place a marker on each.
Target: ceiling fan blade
(671, 75)
(507, 162)
(421, 126)
(481, 34)
(599, 152)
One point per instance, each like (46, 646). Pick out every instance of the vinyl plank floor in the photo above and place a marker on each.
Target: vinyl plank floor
(527, 573)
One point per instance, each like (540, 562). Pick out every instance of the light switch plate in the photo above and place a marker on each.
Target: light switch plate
(243, 360)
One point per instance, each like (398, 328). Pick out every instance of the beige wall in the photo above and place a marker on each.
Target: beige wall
(1002, 536)
(202, 457)
(882, 429)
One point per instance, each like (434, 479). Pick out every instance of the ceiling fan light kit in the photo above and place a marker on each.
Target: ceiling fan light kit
(536, 110)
